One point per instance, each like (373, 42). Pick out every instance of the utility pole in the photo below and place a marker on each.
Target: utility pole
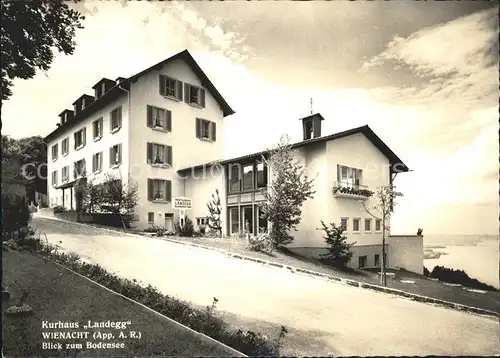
(311, 104)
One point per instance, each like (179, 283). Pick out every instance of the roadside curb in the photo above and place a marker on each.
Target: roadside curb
(203, 337)
(293, 269)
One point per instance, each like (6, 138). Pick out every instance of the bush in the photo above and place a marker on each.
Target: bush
(203, 230)
(260, 243)
(15, 215)
(152, 228)
(459, 276)
(187, 230)
(59, 209)
(201, 320)
(339, 251)
(426, 272)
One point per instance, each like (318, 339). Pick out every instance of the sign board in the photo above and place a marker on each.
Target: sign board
(182, 203)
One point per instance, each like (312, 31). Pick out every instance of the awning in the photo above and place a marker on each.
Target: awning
(70, 184)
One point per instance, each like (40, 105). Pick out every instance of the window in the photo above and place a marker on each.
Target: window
(97, 162)
(378, 225)
(201, 221)
(348, 177)
(151, 218)
(355, 224)
(170, 87)
(261, 175)
(376, 260)
(115, 155)
(54, 178)
(194, 95)
(159, 190)
(205, 129)
(234, 220)
(54, 151)
(159, 118)
(159, 154)
(362, 261)
(343, 223)
(368, 224)
(97, 128)
(116, 119)
(248, 177)
(79, 168)
(234, 178)
(65, 174)
(80, 138)
(65, 146)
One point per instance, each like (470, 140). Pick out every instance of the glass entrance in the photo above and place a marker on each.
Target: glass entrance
(247, 218)
(234, 222)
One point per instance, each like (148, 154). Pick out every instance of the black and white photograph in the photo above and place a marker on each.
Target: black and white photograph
(250, 178)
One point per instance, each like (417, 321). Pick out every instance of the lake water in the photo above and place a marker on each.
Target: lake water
(479, 258)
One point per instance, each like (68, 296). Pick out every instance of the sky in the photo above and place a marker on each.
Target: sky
(423, 75)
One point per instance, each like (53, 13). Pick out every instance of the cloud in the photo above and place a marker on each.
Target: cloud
(458, 62)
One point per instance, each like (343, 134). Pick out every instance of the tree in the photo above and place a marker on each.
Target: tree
(339, 251)
(286, 193)
(214, 220)
(15, 215)
(32, 154)
(121, 198)
(385, 201)
(30, 31)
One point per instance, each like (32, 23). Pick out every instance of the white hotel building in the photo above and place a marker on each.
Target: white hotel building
(163, 128)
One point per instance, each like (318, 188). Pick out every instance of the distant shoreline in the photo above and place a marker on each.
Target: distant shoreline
(429, 253)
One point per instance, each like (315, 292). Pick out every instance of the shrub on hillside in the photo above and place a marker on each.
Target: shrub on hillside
(187, 230)
(15, 216)
(260, 243)
(339, 251)
(426, 272)
(459, 276)
(59, 209)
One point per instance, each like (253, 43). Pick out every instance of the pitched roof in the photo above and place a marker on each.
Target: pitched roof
(396, 163)
(117, 90)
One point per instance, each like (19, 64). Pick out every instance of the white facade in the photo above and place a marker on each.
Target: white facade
(92, 146)
(135, 134)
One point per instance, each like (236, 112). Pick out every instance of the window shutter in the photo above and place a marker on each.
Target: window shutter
(213, 130)
(163, 83)
(111, 121)
(149, 153)
(100, 161)
(168, 121)
(186, 92)
(93, 163)
(84, 167)
(111, 156)
(338, 173)
(168, 154)
(74, 140)
(150, 189)
(179, 90)
(84, 135)
(120, 153)
(168, 190)
(150, 116)
(198, 127)
(101, 126)
(202, 97)
(120, 117)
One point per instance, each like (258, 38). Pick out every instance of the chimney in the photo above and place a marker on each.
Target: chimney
(311, 126)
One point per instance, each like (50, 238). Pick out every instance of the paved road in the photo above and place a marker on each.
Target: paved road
(323, 317)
